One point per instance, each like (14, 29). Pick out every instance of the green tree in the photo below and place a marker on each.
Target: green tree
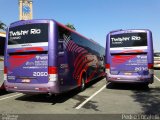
(71, 26)
(2, 26)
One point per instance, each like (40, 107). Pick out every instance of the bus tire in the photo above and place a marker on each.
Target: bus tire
(83, 84)
(146, 85)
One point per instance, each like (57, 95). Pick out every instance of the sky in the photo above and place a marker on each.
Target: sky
(93, 19)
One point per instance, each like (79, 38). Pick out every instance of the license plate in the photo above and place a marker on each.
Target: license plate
(26, 80)
(128, 73)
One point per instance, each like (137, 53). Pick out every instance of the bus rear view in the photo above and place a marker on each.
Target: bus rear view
(129, 56)
(26, 60)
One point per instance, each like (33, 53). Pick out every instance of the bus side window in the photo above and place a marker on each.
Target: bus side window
(60, 46)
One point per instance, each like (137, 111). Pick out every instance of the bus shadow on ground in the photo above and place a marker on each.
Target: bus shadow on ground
(127, 86)
(148, 98)
(44, 98)
(3, 92)
(61, 98)
(156, 68)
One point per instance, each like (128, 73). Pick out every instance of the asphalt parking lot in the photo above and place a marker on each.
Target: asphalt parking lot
(100, 98)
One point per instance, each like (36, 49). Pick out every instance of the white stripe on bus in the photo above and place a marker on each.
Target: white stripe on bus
(40, 44)
(129, 48)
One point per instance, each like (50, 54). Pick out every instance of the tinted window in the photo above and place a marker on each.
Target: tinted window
(2, 45)
(128, 40)
(79, 40)
(156, 54)
(30, 33)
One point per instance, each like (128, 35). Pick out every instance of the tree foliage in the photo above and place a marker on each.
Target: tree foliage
(71, 26)
(2, 26)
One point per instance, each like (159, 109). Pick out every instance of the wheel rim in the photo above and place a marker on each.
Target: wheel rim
(82, 88)
(83, 84)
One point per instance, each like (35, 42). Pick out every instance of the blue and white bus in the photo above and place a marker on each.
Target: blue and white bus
(44, 56)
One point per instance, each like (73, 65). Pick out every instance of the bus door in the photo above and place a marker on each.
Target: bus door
(63, 67)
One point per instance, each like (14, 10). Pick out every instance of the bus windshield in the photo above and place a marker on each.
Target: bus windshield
(30, 33)
(128, 40)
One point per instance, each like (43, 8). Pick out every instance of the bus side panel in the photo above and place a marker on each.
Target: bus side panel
(107, 57)
(150, 48)
(150, 56)
(52, 46)
(53, 56)
(76, 58)
(80, 62)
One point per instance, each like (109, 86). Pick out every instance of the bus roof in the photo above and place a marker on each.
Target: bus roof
(62, 25)
(76, 32)
(127, 30)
